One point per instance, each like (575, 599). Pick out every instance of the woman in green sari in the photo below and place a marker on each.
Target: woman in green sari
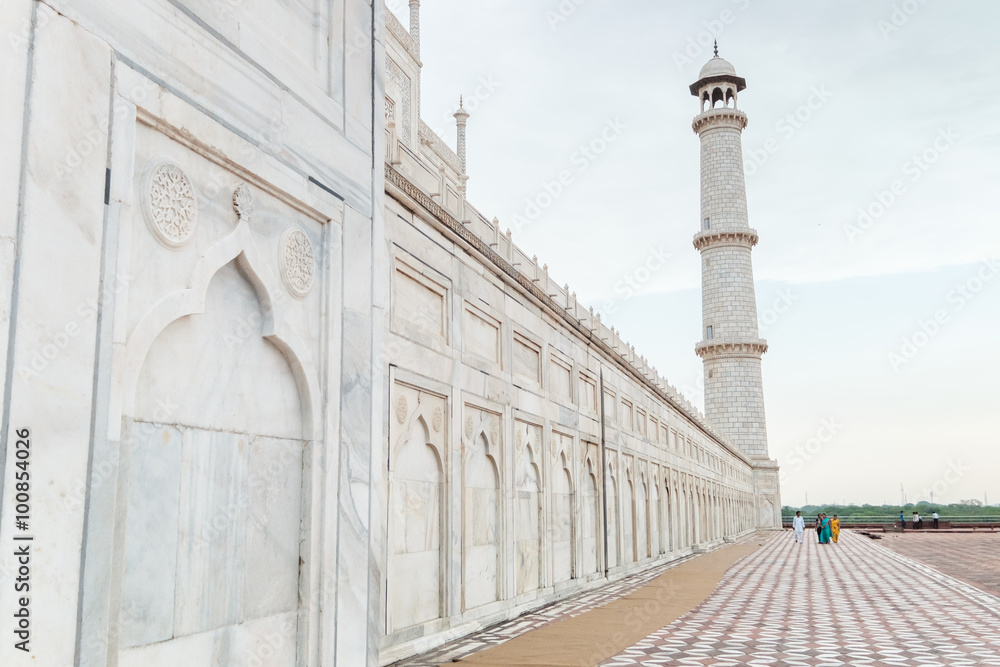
(825, 531)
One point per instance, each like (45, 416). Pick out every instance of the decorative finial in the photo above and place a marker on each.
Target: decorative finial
(716, 48)
(460, 97)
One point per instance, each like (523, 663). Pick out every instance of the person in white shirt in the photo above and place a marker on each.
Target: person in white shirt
(916, 520)
(935, 517)
(799, 526)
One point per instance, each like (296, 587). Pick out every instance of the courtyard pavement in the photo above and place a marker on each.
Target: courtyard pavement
(853, 603)
(507, 630)
(972, 557)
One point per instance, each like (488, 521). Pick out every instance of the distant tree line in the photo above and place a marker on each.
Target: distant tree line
(966, 508)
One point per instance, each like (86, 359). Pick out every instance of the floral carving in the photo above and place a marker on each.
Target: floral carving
(297, 261)
(438, 418)
(401, 409)
(495, 430)
(469, 426)
(243, 201)
(170, 204)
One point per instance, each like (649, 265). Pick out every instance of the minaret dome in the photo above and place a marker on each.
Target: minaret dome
(717, 84)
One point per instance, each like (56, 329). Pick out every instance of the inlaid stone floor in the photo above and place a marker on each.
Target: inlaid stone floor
(971, 557)
(855, 603)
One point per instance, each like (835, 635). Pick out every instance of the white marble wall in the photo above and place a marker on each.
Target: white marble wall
(196, 372)
(526, 484)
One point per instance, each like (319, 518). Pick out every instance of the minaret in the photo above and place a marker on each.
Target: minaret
(415, 23)
(731, 346)
(461, 120)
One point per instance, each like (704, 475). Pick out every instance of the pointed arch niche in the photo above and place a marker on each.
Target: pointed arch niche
(563, 510)
(415, 586)
(528, 527)
(481, 508)
(591, 514)
(218, 429)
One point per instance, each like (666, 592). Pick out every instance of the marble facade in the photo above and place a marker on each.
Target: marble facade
(566, 460)
(191, 197)
(292, 399)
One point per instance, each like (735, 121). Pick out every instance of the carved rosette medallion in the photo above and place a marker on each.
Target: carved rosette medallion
(401, 409)
(469, 426)
(298, 265)
(243, 201)
(438, 418)
(169, 204)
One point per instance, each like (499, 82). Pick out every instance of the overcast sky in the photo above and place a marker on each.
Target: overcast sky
(883, 363)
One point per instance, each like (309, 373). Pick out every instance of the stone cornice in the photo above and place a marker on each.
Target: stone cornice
(396, 180)
(721, 117)
(430, 138)
(741, 237)
(731, 348)
(397, 30)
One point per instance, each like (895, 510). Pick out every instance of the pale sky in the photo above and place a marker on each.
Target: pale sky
(848, 100)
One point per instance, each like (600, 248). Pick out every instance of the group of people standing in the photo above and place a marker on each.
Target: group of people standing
(827, 528)
(917, 523)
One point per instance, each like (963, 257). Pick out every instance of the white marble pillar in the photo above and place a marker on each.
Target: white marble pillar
(50, 383)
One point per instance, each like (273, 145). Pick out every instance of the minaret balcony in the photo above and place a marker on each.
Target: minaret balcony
(731, 347)
(746, 238)
(722, 117)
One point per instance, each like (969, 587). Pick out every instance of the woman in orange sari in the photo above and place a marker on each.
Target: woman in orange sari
(835, 528)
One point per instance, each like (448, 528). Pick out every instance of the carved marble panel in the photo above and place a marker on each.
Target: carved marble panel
(398, 86)
(614, 512)
(169, 203)
(297, 261)
(528, 488)
(560, 378)
(641, 519)
(481, 334)
(563, 527)
(481, 507)
(628, 519)
(588, 393)
(415, 585)
(590, 520)
(526, 358)
(418, 302)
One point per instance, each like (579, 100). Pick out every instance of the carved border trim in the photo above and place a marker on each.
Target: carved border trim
(731, 348)
(431, 139)
(721, 117)
(406, 40)
(396, 179)
(745, 238)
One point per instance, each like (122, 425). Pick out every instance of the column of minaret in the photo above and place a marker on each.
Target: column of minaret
(731, 346)
(415, 34)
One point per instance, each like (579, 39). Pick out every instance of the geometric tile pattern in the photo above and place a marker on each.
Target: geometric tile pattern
(971, 557)
(851, 603)
(566, 608)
